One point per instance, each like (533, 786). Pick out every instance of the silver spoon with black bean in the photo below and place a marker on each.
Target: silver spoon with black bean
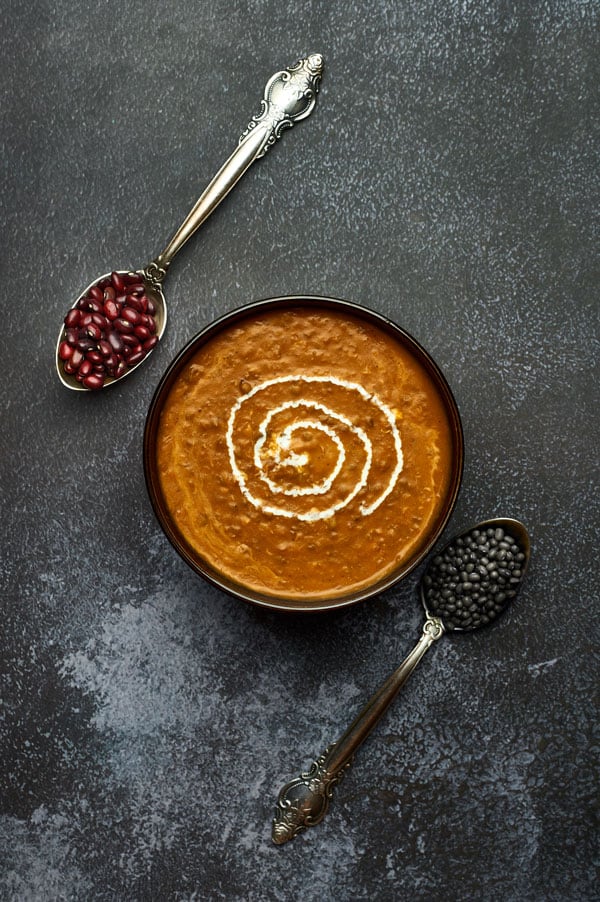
(467, 585)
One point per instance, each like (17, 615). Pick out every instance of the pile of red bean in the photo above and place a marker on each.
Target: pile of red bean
(110, 329)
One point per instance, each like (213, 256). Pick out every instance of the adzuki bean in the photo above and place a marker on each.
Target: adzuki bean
(132, 316)
(72, 318)
(110, 330)
(94, 381)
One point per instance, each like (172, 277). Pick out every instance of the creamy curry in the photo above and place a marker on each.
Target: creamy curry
(304, 453)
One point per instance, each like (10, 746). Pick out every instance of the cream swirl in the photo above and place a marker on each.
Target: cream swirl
(280, 423)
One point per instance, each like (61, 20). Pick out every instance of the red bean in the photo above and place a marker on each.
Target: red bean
(85, 368)
(150, 343)
(116, 341)
(72, 318)
(109, 293)
(85, 320)
(105, 348)
(110, 310)
(117, 282)
(65, 350)
(151, 307)
(136, 302)
(94, 381)
(77, 358)
(96, 293)
(72, 335)
(136, 358)
(131, 315)
(129, 350)
(142, 332)
(130, 340)
(122, 325)
(100, 320)
(89, 305)
(94, 331)
(69, 367)
(121, 368)
(94, 356)
(111, 363)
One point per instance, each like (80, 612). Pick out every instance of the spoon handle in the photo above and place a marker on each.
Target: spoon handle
(289, 96)
(304, 801)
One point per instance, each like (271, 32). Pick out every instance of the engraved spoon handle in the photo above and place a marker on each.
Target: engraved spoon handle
(289, 96)
(304, 801)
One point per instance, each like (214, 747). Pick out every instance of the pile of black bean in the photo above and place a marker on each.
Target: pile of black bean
(473, 579)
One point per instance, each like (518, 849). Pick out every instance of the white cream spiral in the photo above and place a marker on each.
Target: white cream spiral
(274, 445)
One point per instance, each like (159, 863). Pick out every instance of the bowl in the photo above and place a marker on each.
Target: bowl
(303, 453)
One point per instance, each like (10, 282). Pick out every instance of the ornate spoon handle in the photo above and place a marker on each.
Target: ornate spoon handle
(304, 801)
(289, 96)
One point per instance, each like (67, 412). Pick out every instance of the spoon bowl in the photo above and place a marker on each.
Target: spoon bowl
(152, 290)
(495, 556)
(289, 96)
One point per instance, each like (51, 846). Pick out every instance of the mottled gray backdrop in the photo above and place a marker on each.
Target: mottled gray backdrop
(448, 179)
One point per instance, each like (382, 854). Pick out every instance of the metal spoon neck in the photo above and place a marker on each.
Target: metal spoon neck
(433, 629)
(342, 752)
(155, 272)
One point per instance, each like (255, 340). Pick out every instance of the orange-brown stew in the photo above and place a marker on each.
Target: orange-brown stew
(305, 453)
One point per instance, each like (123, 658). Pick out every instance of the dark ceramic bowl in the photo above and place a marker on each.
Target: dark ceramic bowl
(204, 569)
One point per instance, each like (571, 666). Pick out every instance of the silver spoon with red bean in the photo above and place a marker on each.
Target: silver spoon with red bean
(117, 321)
(466, 586)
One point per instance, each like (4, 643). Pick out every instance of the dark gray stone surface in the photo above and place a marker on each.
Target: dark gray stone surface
(448, 179)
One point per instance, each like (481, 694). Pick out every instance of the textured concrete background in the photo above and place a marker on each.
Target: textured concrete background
(449, 179)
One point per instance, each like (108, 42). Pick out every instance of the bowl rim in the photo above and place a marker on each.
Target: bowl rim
(174, 368)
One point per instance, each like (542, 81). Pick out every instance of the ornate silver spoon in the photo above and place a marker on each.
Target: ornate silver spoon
(466, 586)
(114, 324)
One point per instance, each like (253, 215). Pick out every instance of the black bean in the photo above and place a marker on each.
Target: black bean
(472, 580)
